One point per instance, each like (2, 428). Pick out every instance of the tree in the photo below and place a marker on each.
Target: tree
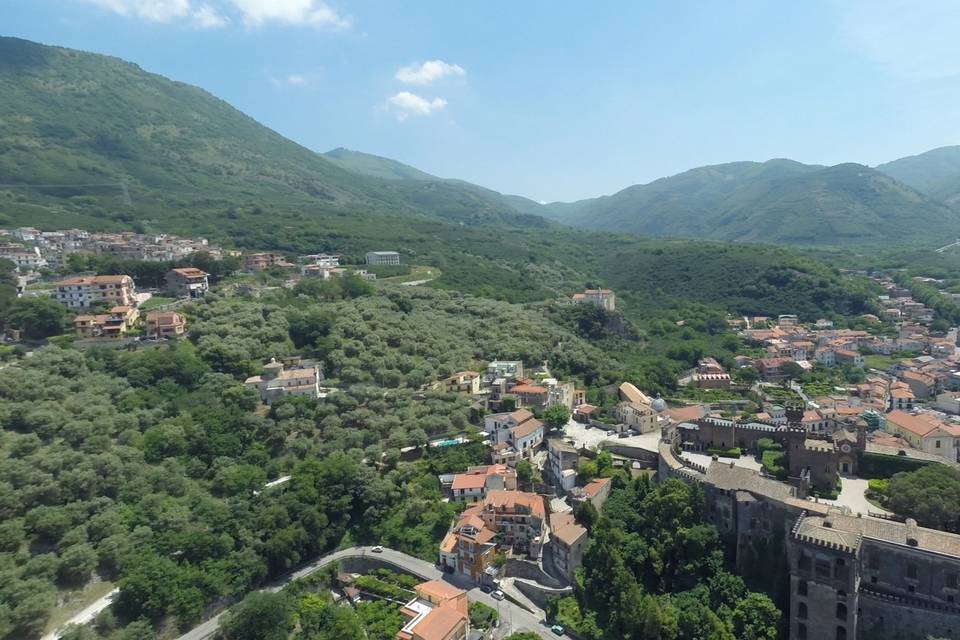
(756, 618)
(792, 370)
(37, 317)
(930, 495)
(586, 514)
(556, 416)
(261, 616)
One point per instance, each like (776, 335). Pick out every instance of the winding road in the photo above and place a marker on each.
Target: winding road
(514, 618)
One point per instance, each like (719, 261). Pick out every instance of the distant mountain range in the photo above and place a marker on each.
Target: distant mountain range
(780, 201)
(77, 129)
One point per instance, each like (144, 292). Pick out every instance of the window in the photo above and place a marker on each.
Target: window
(951, 580)
(841, 633)
(938, 444)
(912, 571)
(802, 611)
(801, 631)
(874, 562)
(841, 611)
(911, 588)
(802, 588)
(823, 568)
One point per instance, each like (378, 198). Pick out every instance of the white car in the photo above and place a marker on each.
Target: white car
(497, 595)
(377, 549)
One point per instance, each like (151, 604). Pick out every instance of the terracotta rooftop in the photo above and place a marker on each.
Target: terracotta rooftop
(525, 429)
(93, 280)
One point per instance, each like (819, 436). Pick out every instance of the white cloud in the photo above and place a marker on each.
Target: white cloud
(916, 40)
(291, 80)
(297, 80)
(215, 13)
(302, 12)
(428, 72)
(207, 17)
(407, 104)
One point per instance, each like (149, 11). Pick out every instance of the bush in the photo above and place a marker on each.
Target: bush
(879, 466)
(725, 453)
(773, 463)
(482, 616)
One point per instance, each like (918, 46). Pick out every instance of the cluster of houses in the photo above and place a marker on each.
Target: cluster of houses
(107, 305)
(32, 250)
(319, 265)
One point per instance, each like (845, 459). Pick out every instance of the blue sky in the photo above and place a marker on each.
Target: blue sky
(552, 100)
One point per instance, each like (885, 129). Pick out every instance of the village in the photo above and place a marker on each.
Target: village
(792, 420)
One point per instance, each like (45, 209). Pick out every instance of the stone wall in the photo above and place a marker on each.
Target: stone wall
(515, 568)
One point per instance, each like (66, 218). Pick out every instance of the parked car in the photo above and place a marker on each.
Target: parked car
(557, 629)
(486, 588)
(377, 549)
(498, 595)
(623, 434)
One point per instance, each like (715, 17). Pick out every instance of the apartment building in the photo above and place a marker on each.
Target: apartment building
(84, 292)
(567, 542)
(255, 262)
(474, 483)
(187, 282)
(926, 432)
(26, 259)
(375, 258)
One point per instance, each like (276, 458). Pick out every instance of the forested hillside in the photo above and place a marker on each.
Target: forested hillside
(779, 201)
(935, 173)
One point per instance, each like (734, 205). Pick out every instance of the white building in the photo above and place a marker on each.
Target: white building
(383, 257)
(278, 382)
(26, 259)
(84, 292)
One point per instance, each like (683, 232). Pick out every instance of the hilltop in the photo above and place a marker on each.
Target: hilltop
(935, 173)
(778, 201)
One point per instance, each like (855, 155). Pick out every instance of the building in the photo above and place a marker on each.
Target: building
(771, 369)
(603, 298)
(923, 385)
(858, 577)
(526, 437)
(530, 395)
(375, 258)
(567, 542)
(596, 492)
(846, 356)
(321, 260)
(926, 432)
(26, 259)
(507, 369)
(467, 382)
(562, 462)
(513, 520)
(187, 282)
(107, 325)
(636, 409)
(948, 402)
(255, 262)
(474, 483)
(710, 374)
(518, 429)
(439, 612)
(165, 324)
(277, 381)
(87, 291)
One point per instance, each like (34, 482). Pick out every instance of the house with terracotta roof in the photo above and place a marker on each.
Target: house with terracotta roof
(165, 324)
(86, 291)
(278, 381)
(771, 368)
(518, 429)
(636, 409)
(567, 542)
(529, 394)
(467, 382)
(848, 356)
(923, 385)
(255, 262)
(439, 612)
(603, 298)
(926, 432)
(596, 492)
(512, 520)
(901, 397)
(187, 282)
(473, 484)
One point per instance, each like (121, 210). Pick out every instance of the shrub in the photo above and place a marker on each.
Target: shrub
(725, 453)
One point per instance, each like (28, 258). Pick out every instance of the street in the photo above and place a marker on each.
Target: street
(513, 617)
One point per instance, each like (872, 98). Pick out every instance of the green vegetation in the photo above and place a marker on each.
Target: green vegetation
(482, 616)
(762, 202)
(878, 466)
(653, 569)
(930, 495)
(725, 453)
(37, 317)
(935, 173)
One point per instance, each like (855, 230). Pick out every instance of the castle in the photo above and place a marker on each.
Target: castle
(839, 575)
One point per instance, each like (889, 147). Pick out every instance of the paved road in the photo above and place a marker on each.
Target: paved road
(85, 616)
(514, 617)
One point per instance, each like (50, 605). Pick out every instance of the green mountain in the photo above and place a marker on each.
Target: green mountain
(367, 164)
(95, 125)
(778, 201)
(935, 173)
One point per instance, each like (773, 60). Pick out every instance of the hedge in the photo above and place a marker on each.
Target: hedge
(879, 466)
(725, 453)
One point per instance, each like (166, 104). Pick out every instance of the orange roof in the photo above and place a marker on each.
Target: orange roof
(464, 481)
(528, 388)
(920, 424)
(811, 416)
(164, 317)
(593, 488)
(190, 272)
(95, 280)
(440, 623)
(500, 498)
(449, 544)
(686, 414)
(520, 415)
(438, 589)
(525, 429)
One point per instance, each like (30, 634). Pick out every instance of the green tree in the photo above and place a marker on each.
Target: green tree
(261, 616)
(37, 317)
(756, 618)
(930, 495)
(556, 416)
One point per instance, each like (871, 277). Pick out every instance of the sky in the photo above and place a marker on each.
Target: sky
(553, 100)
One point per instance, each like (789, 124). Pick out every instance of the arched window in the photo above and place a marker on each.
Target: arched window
(802, 611)
(801, 631)
(841, 611)
(841, 633)
(802, 587)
